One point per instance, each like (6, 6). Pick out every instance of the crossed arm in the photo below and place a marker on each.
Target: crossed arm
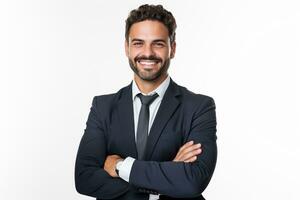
(186, 176)
(187, 153)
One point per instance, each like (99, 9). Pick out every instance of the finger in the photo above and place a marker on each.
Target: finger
(191, 154)
(114, 156)
(190, 143)
(192, 159)
(195, 152)
(187, 150)
(188, 155)
(188, 147)
(191, 148)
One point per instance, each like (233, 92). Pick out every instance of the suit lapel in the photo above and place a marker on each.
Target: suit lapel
(125, 114)
(165, 112)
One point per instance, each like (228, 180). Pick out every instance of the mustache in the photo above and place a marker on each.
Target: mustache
(151, 57)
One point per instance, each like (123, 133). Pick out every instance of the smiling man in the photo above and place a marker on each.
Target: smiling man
(153, 139)
(149, 51)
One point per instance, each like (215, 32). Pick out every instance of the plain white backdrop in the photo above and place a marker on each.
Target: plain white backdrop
(55, 55)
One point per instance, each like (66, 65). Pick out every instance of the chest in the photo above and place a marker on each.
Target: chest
(165, 137)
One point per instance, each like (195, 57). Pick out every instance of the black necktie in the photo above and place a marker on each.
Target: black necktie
(143, 124)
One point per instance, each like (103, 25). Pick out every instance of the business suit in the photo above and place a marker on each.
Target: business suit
(182, 116)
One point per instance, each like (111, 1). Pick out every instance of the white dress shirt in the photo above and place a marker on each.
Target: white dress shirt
(125, 166)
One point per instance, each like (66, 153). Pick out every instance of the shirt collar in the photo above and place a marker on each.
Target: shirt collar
(160, 90)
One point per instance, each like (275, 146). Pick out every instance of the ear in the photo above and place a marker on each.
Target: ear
(126, 48)
(173, 49)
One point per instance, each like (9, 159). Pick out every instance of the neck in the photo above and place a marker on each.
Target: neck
(148, 86)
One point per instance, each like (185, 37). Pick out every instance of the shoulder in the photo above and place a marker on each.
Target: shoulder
(104, 99)
(193, 103)
(109, 100)
(194, 99)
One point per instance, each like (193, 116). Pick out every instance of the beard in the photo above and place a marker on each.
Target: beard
(149, 75)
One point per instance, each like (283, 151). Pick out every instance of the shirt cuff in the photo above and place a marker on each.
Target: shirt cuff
(125, 168)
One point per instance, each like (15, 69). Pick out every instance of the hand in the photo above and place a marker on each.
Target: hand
(188, 152)
(110, 164)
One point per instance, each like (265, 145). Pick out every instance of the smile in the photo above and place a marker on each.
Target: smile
(148, 62)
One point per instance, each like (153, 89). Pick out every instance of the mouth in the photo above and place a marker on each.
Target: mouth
(148, 63)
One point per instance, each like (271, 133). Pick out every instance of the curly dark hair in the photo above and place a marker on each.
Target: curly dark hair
(152, 12)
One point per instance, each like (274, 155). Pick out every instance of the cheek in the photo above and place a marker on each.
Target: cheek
(164, 54)
(131, 56)
(133, 53)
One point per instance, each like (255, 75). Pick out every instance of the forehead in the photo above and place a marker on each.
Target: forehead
(148, 30)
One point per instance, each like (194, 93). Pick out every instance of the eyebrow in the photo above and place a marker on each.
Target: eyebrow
(160, 40)
(136, 40)
(140, 40)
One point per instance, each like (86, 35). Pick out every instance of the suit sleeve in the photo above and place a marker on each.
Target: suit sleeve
(179, 179)
(90, 177)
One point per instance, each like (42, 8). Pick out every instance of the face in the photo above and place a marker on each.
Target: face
(149, 50)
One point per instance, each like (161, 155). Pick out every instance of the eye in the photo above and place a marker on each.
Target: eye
(159, 44)
(137, 44)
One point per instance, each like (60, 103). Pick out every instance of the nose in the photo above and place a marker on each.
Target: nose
(148, 50)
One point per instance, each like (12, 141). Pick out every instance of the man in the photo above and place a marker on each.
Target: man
(152, 139)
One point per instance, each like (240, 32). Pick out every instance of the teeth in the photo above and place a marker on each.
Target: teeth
(147, 62)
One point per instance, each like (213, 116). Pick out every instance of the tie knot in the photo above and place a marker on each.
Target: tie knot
(147, 100)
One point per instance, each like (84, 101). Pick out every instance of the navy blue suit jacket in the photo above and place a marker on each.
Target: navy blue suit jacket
(182, 116)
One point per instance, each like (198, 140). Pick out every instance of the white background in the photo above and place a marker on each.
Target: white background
(55, 55)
